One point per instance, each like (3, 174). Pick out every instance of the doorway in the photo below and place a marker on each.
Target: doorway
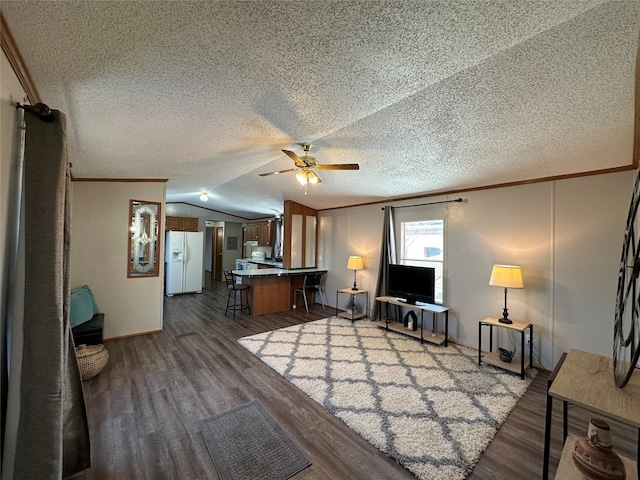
(216, 253)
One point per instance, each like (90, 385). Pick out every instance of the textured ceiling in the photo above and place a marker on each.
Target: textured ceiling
(425, 96)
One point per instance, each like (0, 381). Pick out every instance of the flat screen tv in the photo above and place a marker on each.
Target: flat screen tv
(412, 284)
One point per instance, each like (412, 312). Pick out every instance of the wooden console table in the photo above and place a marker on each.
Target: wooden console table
(433, 337)
(586, 380)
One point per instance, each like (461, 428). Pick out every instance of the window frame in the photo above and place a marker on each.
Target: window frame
(438, 264)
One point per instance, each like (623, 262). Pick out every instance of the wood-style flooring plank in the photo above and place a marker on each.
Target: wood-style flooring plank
(144, 407)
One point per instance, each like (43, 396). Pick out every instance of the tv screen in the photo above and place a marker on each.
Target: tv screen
(413, 284)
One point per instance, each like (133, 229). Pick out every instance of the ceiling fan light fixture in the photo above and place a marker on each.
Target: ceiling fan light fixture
(313, 177)
(305, 167)
(302, 177)
(306, 175)
(204, 197)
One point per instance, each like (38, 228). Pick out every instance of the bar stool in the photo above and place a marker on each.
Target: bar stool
(234, 299)
(311, 284)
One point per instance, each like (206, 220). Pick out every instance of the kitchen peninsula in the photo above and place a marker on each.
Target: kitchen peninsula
(271, 289)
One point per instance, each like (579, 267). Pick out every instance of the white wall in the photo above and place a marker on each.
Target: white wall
(229, 255)
(566, 235)
(99, 255)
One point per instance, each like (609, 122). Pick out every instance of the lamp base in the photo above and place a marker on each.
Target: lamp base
(505, 312)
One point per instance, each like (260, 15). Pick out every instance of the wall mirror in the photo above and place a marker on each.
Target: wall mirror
(143, 239)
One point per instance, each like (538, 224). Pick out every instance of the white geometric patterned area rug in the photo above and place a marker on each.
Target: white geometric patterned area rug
(431, 408)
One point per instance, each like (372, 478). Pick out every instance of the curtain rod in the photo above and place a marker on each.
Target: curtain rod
(458, 200)
(41, 109)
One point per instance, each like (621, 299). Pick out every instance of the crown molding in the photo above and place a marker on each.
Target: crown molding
(15, 60)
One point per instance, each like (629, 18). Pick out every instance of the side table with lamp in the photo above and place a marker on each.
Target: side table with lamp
(355, 263)
(507, 276)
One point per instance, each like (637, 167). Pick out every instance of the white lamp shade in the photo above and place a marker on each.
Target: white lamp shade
(508, 276)
(355, 263)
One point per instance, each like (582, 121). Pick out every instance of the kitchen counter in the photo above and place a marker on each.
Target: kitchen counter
(272, 289)
(270, 263)
(275, 272)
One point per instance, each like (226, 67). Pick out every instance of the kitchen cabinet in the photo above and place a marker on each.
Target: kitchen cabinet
(260, 232)
(182, 224)
(264, 234)
(251, 232)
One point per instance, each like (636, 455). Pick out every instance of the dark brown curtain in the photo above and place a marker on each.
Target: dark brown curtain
(387, 256)
(53, 436)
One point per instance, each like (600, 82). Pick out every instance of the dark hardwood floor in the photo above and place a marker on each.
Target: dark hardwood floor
(144, 407)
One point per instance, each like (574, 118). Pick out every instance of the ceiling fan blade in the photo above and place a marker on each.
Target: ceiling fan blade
(295, 158)
(278, 172)
(339, 166)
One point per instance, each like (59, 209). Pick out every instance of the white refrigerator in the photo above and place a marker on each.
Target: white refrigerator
(183, 255)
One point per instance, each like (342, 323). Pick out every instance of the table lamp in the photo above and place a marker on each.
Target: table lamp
(507, 276)
(355, 264)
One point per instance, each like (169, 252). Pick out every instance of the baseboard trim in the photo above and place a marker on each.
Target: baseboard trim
(132, 335)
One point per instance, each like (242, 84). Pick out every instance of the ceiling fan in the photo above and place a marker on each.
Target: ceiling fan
(306, 166)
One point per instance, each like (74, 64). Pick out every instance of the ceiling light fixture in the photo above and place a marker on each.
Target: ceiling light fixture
(204, 197)
(306, 175)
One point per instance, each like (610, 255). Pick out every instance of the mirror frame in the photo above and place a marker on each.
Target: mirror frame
(149, 239)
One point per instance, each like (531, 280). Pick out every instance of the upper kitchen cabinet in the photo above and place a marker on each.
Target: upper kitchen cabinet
(265, 231)
(251, 232)
(260, 232)
(300, 245)
(182, 224)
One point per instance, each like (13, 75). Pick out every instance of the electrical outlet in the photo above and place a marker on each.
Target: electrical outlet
(527, 338)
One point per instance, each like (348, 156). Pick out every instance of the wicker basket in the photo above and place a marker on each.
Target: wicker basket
(91, 360)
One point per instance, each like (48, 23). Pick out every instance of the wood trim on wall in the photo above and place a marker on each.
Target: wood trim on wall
(15, 59)
(120, 180)
(489, 187)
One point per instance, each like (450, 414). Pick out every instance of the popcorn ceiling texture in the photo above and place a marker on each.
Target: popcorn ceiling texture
(425, 96)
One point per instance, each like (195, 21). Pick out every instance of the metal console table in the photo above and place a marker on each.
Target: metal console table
(492, 357)
(353, 315)
(433, 337)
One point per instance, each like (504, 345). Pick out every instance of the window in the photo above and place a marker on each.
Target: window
(423, 246)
